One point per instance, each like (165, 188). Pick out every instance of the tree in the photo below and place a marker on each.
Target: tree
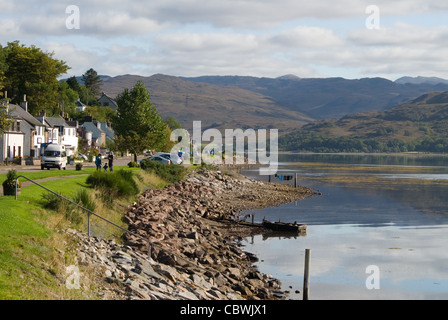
(5, 119)
(33, 73)
(137, 123)
(172, 123)
(92, 82)
(3, 69)
(66, 98)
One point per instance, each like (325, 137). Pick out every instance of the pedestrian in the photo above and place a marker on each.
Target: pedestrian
(111, 161)
(105, 167)
(98, 162)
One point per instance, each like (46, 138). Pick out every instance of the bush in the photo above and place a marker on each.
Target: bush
(9, 185)
(170, 173)
(83, 198)
(60, 205)
(116, 184)
(132, 164)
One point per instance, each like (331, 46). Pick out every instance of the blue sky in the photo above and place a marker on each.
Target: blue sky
(260, 38)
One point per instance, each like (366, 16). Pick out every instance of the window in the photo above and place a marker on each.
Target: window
(49, 153)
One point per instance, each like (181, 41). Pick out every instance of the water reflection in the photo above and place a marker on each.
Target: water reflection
(364, 217)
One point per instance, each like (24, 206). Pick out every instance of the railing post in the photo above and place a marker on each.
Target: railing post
(88, 224)
(17, 182)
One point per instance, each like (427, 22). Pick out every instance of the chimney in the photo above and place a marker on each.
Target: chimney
(6, 101)
(24, 104)
(42, 116)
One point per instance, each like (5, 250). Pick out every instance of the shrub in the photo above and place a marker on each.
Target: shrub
(60, 205)
(117, 184)
(170, 173)
(132, 164)
(83, 198)
(9, 185)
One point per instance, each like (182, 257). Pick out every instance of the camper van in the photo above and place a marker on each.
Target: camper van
(54, 157)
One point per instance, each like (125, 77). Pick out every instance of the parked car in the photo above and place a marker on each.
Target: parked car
(84, 157)
(175, 159)
(158, 159)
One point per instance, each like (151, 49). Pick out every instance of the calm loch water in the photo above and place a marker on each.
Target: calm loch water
(385, 211)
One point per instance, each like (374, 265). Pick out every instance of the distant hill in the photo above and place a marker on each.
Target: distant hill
(216, 106)
(421, 80)
(326, 98)
(417, 125)
(285, 103)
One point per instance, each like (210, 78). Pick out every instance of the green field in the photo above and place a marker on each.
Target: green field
(34, 253)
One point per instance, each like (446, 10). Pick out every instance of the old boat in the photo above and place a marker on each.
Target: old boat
(284, 226)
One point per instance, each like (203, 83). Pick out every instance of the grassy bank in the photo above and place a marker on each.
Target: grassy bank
(34, 254)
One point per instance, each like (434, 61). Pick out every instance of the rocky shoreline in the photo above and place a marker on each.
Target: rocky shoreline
(194, 251)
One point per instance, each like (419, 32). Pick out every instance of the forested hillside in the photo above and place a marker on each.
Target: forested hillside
(418, 125)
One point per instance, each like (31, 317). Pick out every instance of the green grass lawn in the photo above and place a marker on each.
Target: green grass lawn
(33, 254)
(21, 247)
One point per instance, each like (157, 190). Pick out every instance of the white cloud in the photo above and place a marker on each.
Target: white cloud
(246, 37)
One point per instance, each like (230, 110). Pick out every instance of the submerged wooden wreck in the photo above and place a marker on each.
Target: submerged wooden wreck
(278, 227)
(284, 226)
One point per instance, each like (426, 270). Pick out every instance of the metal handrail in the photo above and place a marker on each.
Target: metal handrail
(85, 209)
(104, 219)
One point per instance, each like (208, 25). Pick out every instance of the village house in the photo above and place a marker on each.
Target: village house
(12, 140)
(24, 137)
(61, 132)
(80, 107)
(106, 101)
(35, 132)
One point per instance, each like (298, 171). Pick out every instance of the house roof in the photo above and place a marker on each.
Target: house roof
(19, 112)
(103, 95)
(79, 103)
(110, 133)
(56, 122)
(91, 127)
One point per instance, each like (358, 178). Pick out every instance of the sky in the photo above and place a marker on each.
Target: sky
(263, 38)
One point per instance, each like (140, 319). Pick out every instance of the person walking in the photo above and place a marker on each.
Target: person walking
(98, 162)
(111, 161)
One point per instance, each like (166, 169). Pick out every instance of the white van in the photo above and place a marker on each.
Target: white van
(54, 156)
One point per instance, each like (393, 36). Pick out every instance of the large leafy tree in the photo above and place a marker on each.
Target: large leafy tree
(137, 123)
(4, 117)
(92, 82)
(33, 73)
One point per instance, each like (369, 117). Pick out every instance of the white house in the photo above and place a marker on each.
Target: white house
(12, 140)
(61, 132)
(81, 107)
(34, 131)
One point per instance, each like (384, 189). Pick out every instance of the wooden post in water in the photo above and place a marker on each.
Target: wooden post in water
(295, 181)
(306, 276)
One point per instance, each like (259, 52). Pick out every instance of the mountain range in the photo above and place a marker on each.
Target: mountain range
(417, 125)
(285, 103)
